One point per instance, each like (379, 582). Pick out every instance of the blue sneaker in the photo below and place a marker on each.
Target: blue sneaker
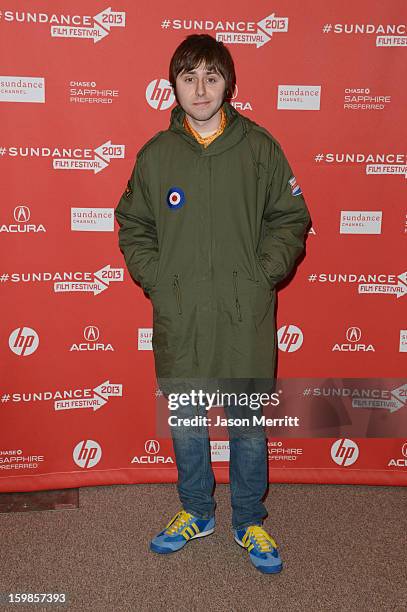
(181, 528)
(262, 548)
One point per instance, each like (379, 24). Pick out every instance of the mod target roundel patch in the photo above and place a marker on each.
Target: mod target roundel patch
(175, 198)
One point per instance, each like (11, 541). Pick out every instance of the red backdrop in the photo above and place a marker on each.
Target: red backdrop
(81, 89)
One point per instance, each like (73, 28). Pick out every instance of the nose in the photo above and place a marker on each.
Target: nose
(200, 88)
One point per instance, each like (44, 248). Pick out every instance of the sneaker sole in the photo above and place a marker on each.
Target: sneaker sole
(168, 551)
(264, 570)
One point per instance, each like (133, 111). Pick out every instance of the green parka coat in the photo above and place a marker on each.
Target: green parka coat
(208, 233)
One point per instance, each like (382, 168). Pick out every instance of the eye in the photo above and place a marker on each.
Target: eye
(188, 79)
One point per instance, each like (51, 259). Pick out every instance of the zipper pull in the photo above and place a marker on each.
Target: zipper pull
(238, 309)
(177, 291)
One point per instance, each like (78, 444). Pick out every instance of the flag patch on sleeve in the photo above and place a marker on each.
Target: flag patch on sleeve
(295, 189)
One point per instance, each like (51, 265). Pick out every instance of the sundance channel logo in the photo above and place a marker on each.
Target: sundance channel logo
(92, 219)
(22, 89)
(299, 97)
(361, 222)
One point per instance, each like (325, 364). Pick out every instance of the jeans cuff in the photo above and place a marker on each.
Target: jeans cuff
(246, 525)
(205, 516)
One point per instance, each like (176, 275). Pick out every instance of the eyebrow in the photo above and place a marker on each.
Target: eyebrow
(207, 72)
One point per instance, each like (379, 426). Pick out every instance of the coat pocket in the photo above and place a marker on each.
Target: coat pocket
(252, 300)
(263, 274)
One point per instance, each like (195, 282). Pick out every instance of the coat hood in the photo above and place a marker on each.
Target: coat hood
(236, 129)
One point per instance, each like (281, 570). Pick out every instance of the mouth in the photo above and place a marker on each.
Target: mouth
(201, 103)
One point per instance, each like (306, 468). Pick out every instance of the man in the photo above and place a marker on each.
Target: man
(211, 220)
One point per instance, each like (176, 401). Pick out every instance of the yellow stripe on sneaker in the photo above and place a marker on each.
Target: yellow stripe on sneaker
(185, 534)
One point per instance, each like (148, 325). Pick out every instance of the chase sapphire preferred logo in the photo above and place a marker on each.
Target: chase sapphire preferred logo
(175, 198)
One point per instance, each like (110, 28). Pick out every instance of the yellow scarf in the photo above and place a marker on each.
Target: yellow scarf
(206, 140)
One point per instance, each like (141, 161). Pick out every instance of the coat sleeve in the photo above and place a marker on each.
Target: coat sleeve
(137, 234)
(285, 221)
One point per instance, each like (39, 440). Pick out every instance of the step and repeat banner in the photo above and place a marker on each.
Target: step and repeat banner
(83, 85)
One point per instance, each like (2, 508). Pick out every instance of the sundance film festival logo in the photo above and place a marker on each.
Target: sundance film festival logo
(344, 452)
(387, 35)
(159, 94)
(403, 341)
(101, 281)
(22, 89)
(353, 344)
(290, 338)
(68, 282)
(22, 216)
(233, 32)
(375, 163)
(23, 341)
(91, 336)
(371, 398)
(367, 283)
(70, 158)
(152, 448)
(69, 399)
(71, 26)
(87, 454)
(392, 402)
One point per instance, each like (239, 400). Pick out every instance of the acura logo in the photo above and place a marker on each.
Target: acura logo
(152, 447)
(21, 214)
(353, 334)
(404, 449)
(91, 333)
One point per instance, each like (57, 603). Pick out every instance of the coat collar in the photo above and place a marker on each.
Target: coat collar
(236, 129)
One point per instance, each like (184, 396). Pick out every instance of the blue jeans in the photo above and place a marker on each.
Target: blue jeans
(247, 467)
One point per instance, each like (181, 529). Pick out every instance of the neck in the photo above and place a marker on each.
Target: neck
(210, 125)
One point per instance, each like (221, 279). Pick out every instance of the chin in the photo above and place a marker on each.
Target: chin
(201, 116)
(204, 114)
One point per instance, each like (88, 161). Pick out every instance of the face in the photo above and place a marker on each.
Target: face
(200, 92)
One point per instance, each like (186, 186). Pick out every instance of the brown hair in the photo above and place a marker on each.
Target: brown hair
(202, 48)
